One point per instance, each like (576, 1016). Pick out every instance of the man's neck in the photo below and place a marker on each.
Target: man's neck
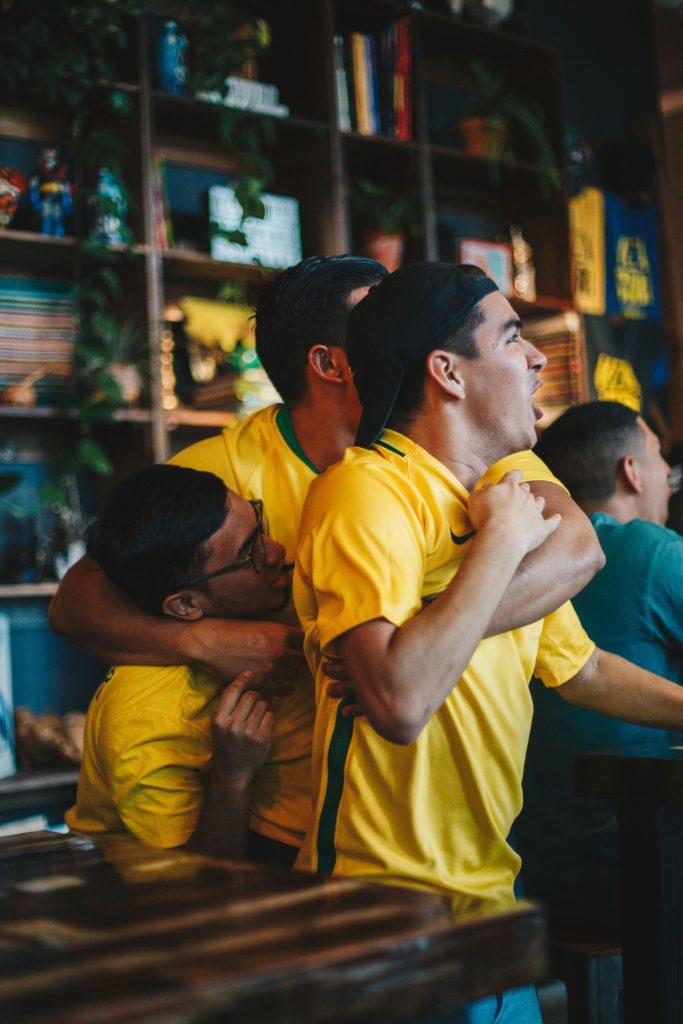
(617, 507)
(456, 449)
(322, 433)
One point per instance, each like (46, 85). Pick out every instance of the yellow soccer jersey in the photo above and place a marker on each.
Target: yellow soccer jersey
(147, 748)
(261, 458)
(382, 532)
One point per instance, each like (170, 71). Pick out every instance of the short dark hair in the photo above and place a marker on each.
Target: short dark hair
(461, 340)
(153, 531)
(585, 445)
(306, 305)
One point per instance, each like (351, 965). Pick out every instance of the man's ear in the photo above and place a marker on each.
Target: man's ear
(630, 473)
(329, 362)
(183, 606)
(445, 369)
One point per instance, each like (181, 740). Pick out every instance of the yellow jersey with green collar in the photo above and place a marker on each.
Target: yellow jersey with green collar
(146, 751)
(261, 458)
(384, 531)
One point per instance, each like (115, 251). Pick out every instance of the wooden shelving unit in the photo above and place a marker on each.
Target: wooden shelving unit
(316, 162)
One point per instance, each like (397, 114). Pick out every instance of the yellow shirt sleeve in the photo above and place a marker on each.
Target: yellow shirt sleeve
(156, 780)
(531, 467)
(564, 647)
(361, 554)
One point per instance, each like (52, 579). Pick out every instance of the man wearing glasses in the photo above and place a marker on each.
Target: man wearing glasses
(170, 752)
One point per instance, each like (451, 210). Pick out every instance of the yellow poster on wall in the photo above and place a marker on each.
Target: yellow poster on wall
(587, 222)
(615, 381)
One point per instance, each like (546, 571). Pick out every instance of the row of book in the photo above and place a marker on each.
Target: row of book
(373, 74)
(38, 328)
(558, 339)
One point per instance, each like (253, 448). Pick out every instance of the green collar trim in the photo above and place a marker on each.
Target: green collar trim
(390, 448)
(284, 425)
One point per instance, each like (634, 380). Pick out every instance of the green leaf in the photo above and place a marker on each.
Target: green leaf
(93, 456)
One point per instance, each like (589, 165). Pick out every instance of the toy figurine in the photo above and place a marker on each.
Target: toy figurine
(107, 209)
(50, 193)
(12, 185)
(172, 60)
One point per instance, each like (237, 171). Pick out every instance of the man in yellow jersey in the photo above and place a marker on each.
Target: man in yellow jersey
(274, 455)
(170, 753)
(405, 552)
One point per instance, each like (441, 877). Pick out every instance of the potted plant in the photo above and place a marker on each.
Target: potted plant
(494, 121)
(112, 362)
(386, 216)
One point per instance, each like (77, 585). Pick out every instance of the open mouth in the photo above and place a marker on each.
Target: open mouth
(538, 412)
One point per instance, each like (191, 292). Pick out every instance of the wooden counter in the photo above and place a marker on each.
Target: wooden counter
(137, 935)
(647, 783)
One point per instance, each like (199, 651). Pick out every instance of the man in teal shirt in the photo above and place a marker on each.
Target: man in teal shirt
(612, 464)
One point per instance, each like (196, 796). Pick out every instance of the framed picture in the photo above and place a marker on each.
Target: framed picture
(494, 258)
(274, 241)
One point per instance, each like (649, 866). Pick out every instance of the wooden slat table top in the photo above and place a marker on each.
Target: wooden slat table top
(137, 935)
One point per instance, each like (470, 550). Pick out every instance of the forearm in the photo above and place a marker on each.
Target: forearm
(619, 689)
(434, 647)
(91, 612)
(553, 573)
(223, 823)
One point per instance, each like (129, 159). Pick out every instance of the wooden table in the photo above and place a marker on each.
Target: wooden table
(138, 935)
(647, 782)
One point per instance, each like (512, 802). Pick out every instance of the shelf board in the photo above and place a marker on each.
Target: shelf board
(542, 304)
(188, 263)
(53, 412)
(461, 155)
(381, 140)
(16, 590)
(38, 790)
(186, 114)
(199, 418)
(46, 252)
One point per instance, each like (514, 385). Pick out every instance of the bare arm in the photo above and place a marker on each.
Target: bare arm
(436, 645)
(90, 611)
(556, 571)
(617, 688)
(241, 730)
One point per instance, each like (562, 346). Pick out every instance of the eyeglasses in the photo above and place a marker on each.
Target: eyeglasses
(256, 553)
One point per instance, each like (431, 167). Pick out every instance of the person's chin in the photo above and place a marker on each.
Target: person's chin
(280, 597)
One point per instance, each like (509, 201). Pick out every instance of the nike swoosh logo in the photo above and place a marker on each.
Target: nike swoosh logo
(463, 538)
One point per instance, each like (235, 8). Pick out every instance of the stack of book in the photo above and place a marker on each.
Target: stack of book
(38, 327)
(243, 94)
(373, 80)
(558, 339)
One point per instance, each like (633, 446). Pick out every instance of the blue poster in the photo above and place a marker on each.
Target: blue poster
(631, 261)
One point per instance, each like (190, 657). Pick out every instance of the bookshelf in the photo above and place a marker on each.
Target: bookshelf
(317, 153)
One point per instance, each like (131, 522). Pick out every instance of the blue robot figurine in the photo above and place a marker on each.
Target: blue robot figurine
(50, 193)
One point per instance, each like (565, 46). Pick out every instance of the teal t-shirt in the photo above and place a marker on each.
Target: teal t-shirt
(634, 608)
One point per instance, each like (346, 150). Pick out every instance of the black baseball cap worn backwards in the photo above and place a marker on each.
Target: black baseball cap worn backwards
(402, 319)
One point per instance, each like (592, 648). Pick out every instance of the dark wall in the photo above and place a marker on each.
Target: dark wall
(607, 52)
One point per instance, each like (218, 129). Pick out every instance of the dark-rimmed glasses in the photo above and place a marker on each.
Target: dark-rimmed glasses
(256, 553)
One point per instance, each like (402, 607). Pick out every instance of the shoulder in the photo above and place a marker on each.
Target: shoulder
(359, 478)
(637, 532)
(531, 467)
(235, 449)
(144, 690)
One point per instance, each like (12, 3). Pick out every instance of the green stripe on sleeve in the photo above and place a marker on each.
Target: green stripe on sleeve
(336, 762)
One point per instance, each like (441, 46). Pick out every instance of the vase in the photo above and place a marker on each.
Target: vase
(482, 136)
(128, 381)
(385, 247)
